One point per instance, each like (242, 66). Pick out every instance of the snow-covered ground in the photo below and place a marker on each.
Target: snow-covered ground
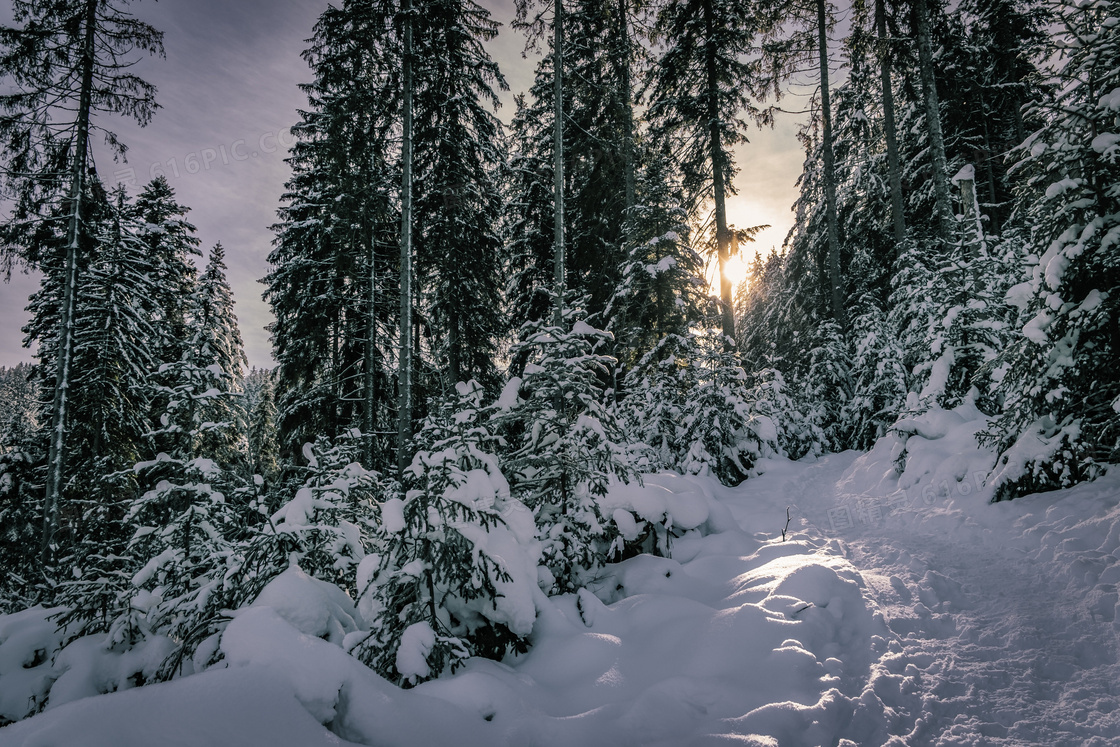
(900, 609)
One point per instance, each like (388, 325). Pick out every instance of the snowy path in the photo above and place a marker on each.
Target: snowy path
(1004, 618)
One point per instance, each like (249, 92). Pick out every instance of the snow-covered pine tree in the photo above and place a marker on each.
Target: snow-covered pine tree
(657, 388)
(172, 246)
(115, 343)
(333, 278)
(827, 386)
(720, 434)
(879, 381)
(662, 291)
(258, 414)
(1058, 377)
(63, 63)
(215, 345)
(158, 569)
(326, 525)
(453, 571)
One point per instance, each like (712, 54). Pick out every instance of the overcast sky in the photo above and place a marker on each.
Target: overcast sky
(228, 92)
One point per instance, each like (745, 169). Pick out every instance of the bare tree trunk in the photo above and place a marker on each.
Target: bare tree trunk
(627, 105)
(933, 119)
(723, 238)
(369, 393)
(836, 282)
(60, 406)
(454, 360)
(404, 406)
(898, 215)
(559, 271)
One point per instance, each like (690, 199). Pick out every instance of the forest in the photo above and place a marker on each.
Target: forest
(487, 336)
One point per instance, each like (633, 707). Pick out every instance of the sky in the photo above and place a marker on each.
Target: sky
(228, 91)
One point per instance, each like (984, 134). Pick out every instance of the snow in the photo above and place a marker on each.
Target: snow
(903, 608)
(1060, 186)
(417, 641)
(1105, 142)
(508, 397)
(392, 515)
(966, 174)
(311, 606)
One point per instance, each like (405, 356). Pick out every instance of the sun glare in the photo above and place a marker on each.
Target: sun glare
(737, 268)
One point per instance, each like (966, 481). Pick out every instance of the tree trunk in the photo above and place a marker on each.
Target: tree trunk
(898, 215)
(627, 105)
(60, 405)
(727, 312)
(835, 280)
(454, 359)
(933, 120)
(559, 271)
(404, 402)
(369, 383)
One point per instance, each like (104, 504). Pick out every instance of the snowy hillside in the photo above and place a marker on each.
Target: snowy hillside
(901, 609)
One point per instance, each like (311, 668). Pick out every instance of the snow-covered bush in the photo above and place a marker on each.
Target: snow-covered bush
(692, 408)
(720, 433)
(564, 444)
(878, 377)
(453, 572)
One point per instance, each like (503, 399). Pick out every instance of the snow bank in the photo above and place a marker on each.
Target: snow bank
(29, 641)
(736, 636)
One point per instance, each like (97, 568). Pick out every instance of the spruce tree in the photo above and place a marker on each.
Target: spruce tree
(332, 283)
(708, 80)
(458, 206)
(1062, 400)
(65, 62)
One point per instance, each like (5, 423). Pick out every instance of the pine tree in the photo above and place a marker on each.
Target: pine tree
(662, 291)
(1062, 401)
(332, 283)
(215, 345)
(458, 206)
(720, 434)
(565, 444)
(879, 381)
(455, 561)
(707, 80)
(66, 62)
(527, 181)
(827, 384)
(600, 156)
(115, 344)
(258, 405)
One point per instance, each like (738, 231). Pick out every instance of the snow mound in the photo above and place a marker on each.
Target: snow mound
(312, 606)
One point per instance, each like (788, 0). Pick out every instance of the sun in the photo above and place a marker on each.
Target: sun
(736, 269)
